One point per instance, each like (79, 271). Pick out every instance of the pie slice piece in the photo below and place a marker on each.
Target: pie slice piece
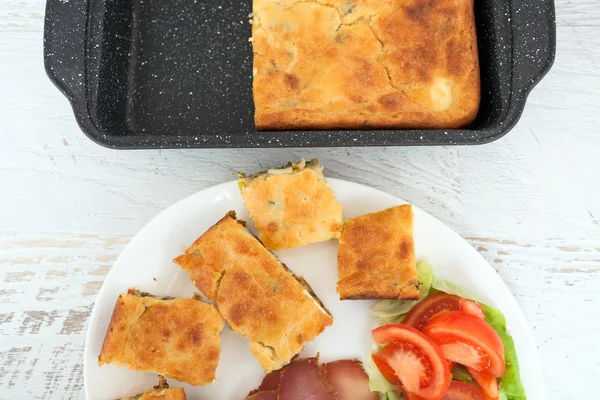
(292, 206)
(258, 296)
(364, 64)
(177, 338)
(376, 256)
(161, 392)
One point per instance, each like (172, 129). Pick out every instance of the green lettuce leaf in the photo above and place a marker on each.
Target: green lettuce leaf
(494, 317)
(393, 311)
(511, 381)
(461, 374)
(392, 396)
(440, 285)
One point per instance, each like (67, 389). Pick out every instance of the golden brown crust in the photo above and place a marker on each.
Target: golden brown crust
(207, 271)
(376, 256)
(178, 338)
(323, 64)
(294, 208)
(160, 392)
(253, 291)
(164, 394)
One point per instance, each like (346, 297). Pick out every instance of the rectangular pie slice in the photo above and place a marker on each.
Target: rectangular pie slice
(362, 64)
(257, 295)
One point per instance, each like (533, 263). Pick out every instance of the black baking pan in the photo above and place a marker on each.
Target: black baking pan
(170, 74)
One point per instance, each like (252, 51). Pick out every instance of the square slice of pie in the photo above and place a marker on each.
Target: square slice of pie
(177, 338)
(292, 206)
(376, 256)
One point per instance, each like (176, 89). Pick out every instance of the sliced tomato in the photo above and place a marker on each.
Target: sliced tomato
(451, 366)
(471, 307)
(463, 391)
(439, 303)
(411, 396)
(467, 340)
(487, 382)
(385, 369)
(416, 361)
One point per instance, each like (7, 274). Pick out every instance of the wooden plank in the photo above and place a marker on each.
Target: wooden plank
(577, 13)
(556, 284)
(41, 368)
(48, 285)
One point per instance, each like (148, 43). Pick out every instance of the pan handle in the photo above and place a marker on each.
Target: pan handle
(534, 41)
(65, 27)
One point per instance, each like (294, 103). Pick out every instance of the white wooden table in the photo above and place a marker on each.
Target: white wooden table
(530, 203)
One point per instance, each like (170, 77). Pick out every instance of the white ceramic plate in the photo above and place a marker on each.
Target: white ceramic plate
(146, 263)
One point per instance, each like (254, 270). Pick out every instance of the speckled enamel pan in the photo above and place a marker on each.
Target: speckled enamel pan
(138, 76)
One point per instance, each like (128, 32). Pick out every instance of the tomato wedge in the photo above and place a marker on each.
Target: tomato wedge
(411, 396)
(467, 340)
(463, 391)
(439, 303)
(451, 365)
(385, 369)
(487, 382)
(471, 307)
(416, 361)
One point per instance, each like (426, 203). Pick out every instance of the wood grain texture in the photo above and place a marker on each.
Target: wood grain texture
(529, 202)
